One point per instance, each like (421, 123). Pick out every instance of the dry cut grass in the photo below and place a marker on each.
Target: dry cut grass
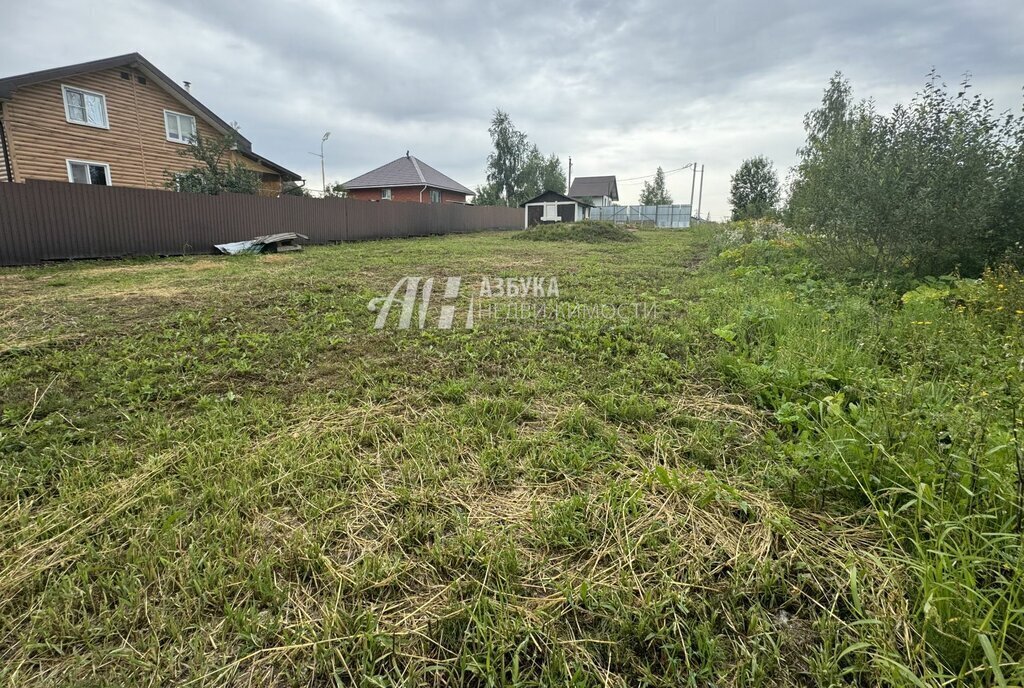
(215, 472)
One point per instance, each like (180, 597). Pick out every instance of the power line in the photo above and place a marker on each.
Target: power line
(648, 176)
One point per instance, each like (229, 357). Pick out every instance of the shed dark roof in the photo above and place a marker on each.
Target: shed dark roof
(551, 196)
(591, 187)
(407, 170)
(10, 84)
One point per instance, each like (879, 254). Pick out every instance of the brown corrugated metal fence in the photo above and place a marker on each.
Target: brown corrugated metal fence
(42, 221)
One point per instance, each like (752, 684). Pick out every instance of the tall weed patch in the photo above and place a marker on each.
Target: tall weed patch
(907, 406)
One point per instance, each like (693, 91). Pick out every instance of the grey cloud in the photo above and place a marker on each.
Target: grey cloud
(622, 87)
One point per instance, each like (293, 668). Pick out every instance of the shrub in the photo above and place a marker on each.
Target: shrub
(587, 231)
(215, 170)
(908, 403)
(761, 229)
(755, 189)
(933, 187)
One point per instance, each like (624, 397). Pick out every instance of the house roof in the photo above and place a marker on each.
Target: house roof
(554, 195)
(591, 187)
(286, 174)
(10, 84)
(406, 171)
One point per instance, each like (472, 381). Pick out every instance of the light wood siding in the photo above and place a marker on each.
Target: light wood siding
(4, 177)
(135, 146)
(3, 163)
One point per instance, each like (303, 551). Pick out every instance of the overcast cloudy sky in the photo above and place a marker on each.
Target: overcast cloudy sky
(622, 87)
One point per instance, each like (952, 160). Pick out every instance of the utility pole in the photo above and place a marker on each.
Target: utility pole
(693, 185)
(569, 182)
(323, 175)
(700, 196)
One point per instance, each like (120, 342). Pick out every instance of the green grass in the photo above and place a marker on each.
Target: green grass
(587, 231)
(215, 471)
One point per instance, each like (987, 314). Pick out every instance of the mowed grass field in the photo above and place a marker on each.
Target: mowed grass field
(216, 471)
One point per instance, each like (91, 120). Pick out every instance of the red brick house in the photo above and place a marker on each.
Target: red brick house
(407, 179)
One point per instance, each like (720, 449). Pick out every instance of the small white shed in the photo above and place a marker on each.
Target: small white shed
(552, 206)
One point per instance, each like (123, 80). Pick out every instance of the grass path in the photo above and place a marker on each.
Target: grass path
(216, 472)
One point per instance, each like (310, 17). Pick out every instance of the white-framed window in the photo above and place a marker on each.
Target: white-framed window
(385, 194)
(550, 213)
(180, 128)
(435, 196)
(88, 172)
(85, 107)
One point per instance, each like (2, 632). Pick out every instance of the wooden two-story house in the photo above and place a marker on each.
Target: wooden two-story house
(116, 122)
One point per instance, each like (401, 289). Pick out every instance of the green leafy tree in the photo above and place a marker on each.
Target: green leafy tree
(506, 163)
(552, 175)
(488, 194)
(335, 190)
(530, 179)
(215, 170)
(934, 186)
(655, 192)
(540, 174)
(755, 189)
(517, 170)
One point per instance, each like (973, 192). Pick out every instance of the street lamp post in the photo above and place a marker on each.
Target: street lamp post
(323, 175)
